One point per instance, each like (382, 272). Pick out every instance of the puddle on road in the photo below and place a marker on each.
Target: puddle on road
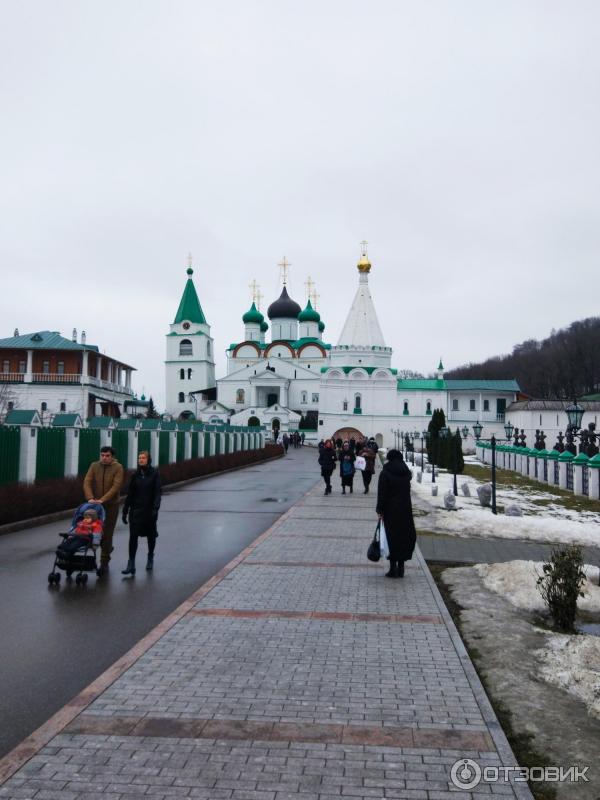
(590, 628)
(273, 499)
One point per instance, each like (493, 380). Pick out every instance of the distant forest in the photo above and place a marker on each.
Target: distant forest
(561, 367)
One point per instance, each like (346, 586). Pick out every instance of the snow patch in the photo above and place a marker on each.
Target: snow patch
(572, 663)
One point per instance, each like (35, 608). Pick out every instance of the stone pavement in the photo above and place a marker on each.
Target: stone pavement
(297, 673)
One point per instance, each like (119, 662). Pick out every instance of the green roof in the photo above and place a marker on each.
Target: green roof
(128, 424)
(22, 417)
(309, 314)
(369, 370)
(189, 307)
(66, 421)
(483, 385)
(149, 424)
(253, 315)
(100, 422)
(44, 340)
(591, 397)
(414, 384)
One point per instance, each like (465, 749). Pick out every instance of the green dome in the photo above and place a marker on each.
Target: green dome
(321, 326)
(264, 327)
(309, 314)
(253, 315)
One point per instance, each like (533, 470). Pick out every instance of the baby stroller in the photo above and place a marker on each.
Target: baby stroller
(77, 553)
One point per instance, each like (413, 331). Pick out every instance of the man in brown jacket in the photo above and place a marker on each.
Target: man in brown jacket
(102, 484)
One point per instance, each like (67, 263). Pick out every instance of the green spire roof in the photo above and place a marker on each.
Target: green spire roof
(264, 327)
(253, 315)
(309, 314)
(440, 365)
(189, 307)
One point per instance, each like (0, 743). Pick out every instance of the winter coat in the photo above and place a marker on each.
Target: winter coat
(327, 460)
(143, 501)
(347, 456)
(394, 504)
(103, 482)
(369, 457)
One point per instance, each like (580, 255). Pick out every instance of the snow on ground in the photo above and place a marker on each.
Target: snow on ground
(547, 523)
(572, 663)
(516, 582)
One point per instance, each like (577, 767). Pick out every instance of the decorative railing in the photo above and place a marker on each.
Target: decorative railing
(11, 377)
(585, 480)
(64, 379)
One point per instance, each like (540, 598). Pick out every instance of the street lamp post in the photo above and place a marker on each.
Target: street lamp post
(508, 429)
(423, 438)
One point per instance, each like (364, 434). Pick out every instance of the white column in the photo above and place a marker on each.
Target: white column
(283, 396)
(200, 436)
(71, 452)
(27, 378)
(187, 445)
(105, 438)
(84, 364)
(132, 448)
(253, 396)
(594, 483)
(27, 454)
(172, 447)
(99, 367)
(154, 446)
(562, 474)
(577, 479)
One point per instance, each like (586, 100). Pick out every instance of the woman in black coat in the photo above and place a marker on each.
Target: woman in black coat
(141, 505)
(395, 509)
(327, 461)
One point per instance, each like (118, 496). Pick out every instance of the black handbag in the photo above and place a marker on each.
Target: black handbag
(374, 549)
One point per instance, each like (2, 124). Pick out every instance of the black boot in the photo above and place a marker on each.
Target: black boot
(401, 569)
(130, 568)
(393, 570)
(150, 562)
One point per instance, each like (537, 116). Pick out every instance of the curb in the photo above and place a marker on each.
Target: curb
(56, 516)
(29, 747)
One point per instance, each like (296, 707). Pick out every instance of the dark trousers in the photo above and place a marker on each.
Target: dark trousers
(133, 545)
(327, 479)
(112, 513)
(367, 478)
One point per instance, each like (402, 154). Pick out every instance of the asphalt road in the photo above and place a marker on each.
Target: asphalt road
(55, 641)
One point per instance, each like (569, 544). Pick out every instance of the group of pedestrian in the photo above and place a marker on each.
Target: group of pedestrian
(295, 439)
(102, 484)
(345, 453)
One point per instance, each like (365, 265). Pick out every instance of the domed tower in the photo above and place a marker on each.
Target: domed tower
(283, 314)
(253, 321)
(190, 363)
(309, 320)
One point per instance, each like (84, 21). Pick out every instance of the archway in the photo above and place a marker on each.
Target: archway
(275, 424)
(254, 422)
(348, 433)
(189, 415)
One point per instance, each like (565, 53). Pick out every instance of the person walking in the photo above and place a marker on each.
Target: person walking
(394, 507)
(286, 442)
(141, 505)
(327, 461)
(369, 470)
(102, 484)
(347, 459)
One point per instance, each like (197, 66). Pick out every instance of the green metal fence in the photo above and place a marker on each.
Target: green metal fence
(50, 460)
(195, 447)
(206, 444)
(163, 447)
(144, 441)
(119, 445)
(89, 449)
(180, 452)
(217, 443)
(10, 450)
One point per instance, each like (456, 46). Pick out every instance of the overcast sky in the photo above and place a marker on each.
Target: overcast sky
(461, 139)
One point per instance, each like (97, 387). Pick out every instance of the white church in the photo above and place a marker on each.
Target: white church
(347, 389)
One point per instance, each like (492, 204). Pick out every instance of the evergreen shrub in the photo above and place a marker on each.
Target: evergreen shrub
(560, 585)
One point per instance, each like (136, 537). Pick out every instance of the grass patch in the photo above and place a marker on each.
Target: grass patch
(507, 479)
(521, 743)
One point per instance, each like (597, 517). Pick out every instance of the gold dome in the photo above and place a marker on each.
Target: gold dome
(364, 265)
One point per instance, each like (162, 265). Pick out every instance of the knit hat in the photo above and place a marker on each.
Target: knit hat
(90, 512)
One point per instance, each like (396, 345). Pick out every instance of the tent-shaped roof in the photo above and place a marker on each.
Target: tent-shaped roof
(22, 417)
(189, 306)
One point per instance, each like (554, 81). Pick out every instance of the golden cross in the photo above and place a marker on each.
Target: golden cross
(284, 265)
(363, 245)
(309, 283)
(189, 260)
(254, 287)
(259, 299)
(314, 296)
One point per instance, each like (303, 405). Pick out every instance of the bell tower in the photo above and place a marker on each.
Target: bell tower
(190, 362)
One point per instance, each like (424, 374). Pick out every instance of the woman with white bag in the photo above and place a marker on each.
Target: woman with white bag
(394, 508)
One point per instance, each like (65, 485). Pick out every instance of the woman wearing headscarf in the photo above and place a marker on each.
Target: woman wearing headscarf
(141, 505)
(394, 507)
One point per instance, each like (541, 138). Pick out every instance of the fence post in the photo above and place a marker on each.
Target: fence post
(132, 448)
(187, 445)
(154, 447)
(172, 447)
(579, 462)
(28, 454)
(565, 458)
(594, 473)
(71, 452)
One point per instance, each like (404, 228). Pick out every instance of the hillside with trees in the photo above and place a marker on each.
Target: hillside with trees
(563, 366)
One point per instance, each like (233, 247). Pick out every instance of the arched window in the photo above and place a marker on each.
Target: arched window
(181, 397)
(345, 405)
(181, 374)
(304, 397)
(240, 396)
(428, 410)
(185, 347)
(405, 407)
(357, 401)
(63, 406)
(208, 348)
(189, 374)
(44, 406)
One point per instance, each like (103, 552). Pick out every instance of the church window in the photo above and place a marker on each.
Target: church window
(471, 405)
(45, 367)
(44, 406)
(486, 405)
(357, 401)
(240, 396)
(6, 366)
(189, 374)
(181, 397)
(304, 397)
(405, 407)
(208, 348)
(181, 374)
(185, 347)
(428, 409)
(315, 397)
(345, 405)
(63, 406)
(455, 404)
(60, 368)
(10, 405)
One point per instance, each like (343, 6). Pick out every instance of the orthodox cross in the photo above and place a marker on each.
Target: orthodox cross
(254, 288)
(363, 245)
(189, 260)
(259, 299)
(309, 283)
(314, 296)
(284, 266)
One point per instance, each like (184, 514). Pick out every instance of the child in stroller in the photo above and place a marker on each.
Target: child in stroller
(77, 551)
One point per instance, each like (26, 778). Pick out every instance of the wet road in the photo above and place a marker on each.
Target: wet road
(56, 641)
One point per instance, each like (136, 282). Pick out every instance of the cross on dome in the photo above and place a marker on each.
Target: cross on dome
(284, 266)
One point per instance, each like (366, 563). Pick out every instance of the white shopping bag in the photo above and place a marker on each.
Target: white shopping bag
(383, 542)
(360, 463)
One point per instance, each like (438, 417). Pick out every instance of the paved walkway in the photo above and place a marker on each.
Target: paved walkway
(297, 673)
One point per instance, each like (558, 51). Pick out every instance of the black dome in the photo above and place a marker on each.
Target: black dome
(284, 307)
